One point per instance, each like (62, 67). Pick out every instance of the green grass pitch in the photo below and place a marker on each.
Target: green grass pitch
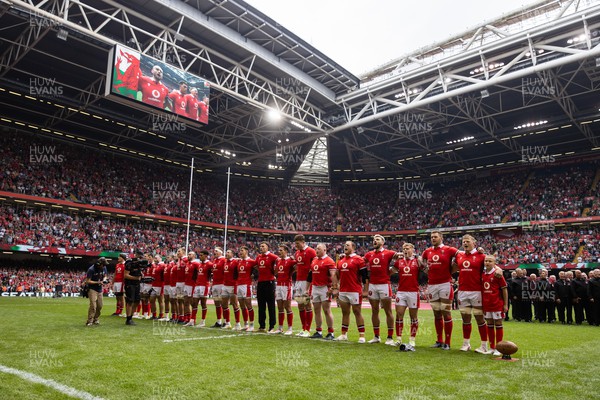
(47, 337)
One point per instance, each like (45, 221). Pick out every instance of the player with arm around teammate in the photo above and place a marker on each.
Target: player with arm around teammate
(351, 273)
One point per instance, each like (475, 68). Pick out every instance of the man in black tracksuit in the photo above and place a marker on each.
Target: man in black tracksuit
(563, 298)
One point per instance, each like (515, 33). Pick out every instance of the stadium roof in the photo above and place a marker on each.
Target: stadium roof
(484, 99)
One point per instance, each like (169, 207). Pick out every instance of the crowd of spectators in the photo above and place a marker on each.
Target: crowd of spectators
(23, 225)
(24, 280)
(115, 181)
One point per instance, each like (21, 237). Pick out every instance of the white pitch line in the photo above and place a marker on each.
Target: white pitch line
(203, 338)
(69, 391)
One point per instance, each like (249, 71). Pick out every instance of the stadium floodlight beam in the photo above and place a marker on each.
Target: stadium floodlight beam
(274, 115)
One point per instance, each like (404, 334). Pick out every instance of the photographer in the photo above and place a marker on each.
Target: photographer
(96, 276)
(133, 277)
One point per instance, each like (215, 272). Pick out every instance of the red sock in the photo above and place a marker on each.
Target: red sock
(138, 308)
(439, 329)
(482, 332)
(491, 336)
(236, 312)
(174, 316)
(390, 332)
(303, 319)
(499, 333)
(219, 312)
(187, 317)
(399, 327)
(245, 314)
(153, 315)
(329, 330)
(148, 308)
(281, 316)
(414, 327)
(290, 318)
(251, 314)
(161, 315)
(309, 318)
(319, 329)
(204, 311)
(344, 329)
(226, 314)
(361, 329)
(194, 313)
(376, 330)
(467, 330)
(448, 330)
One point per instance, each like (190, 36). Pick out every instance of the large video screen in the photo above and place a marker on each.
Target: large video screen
(152, 82)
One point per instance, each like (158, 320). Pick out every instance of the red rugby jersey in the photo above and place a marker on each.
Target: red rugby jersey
(320, 268)
(303, 260)
(408, 274)
(350, 267)
(470, 269)
(439, 260)
(379, 265)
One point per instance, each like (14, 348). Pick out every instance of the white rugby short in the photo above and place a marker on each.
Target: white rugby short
(440, 291)
(407, 299)
(469, 299)
(380, 291)
(318, 294)
(350, 297)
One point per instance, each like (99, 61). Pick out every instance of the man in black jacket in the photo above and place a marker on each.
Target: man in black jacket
(564, 298)
(552, 297)
(133, 276)
(579, 290)
(594, 297)
(96, 276)
(518, 287)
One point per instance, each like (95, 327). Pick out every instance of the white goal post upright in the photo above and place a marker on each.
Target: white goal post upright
(226, 210)
(187, 234)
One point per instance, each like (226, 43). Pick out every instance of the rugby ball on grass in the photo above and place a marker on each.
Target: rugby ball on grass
(507, 348)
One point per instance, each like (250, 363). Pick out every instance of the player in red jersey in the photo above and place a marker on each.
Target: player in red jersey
(188, 287)
(217, 287)
(192, 101)
(167, 287)
(304, 256)
(180, 284)
(407, 295)
(438, 260)
(118, 282)
(265, 288)
(203, 268)
(380, 288)
(154, 92)
(351, 273)
(495, 303)
(470, 267)
(322, 274)
(203, 109)
(157, 288)
(178, 97)
(173, 295)
(244, 287)
(228, 295)
(284, 269)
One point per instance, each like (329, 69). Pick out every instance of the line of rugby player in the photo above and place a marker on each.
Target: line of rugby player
(184, 282)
